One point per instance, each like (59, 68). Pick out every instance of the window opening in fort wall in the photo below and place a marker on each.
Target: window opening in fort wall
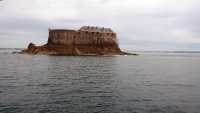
(86, 35)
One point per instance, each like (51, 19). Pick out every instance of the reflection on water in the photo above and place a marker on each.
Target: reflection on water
(146, 83)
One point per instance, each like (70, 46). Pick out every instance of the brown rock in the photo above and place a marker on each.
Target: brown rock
(31, 48)
(36, 51)
(23, 52)
(77, 52)
(15, 52)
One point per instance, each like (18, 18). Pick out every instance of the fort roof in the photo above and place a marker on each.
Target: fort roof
(96, 29)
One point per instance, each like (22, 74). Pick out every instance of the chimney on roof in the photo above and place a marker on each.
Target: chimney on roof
(49, 29)
(92, 27)
(88, 27)
(102, 29)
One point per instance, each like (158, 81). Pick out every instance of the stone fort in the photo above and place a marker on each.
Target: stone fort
(86, 35)
(85, 41)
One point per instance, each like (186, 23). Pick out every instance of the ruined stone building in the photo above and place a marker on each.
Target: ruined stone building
(86, 35)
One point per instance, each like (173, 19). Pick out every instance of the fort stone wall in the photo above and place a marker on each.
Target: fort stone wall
(78, 37)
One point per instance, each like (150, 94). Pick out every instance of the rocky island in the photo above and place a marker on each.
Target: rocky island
(85, 41)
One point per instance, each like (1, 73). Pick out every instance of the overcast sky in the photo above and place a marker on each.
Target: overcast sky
(140, 24)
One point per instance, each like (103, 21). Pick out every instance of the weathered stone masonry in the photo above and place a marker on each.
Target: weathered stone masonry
(84, 36)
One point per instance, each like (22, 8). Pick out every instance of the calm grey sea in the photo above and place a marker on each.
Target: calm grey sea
(151, 82)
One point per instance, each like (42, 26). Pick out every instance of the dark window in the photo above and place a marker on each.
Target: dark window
(74, 36)
(86, 32)
(112, 33)
(107, 33)
(97, 33)
(92, 32)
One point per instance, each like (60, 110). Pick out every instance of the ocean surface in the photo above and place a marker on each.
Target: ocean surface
(150, 82)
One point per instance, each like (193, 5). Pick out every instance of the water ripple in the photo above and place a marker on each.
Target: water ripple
(147, 83)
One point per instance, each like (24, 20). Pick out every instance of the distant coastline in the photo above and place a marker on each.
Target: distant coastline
(12, 48)
(168, 51)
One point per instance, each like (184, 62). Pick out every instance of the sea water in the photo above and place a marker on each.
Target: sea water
(150, 82)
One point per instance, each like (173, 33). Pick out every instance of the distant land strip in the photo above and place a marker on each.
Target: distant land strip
(12, 48)
(168, 51)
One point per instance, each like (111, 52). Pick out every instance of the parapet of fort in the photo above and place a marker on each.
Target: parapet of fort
(85, 41)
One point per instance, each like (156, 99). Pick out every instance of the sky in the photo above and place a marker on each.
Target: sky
(141, 25)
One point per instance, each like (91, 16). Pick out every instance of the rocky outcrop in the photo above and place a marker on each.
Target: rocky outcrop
(32, 49)
(73, 50)
(77, 52)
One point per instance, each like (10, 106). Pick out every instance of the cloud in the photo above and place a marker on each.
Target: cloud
(139, 24)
